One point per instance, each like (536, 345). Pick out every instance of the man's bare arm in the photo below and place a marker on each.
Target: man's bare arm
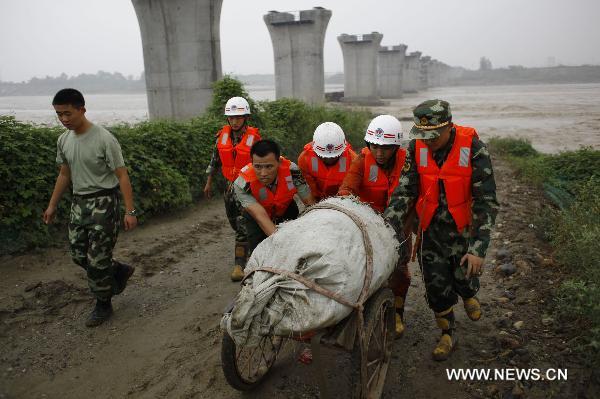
(62, 183)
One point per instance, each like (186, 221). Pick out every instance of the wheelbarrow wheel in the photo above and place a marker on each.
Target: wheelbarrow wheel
(379, 337)
(245, 368)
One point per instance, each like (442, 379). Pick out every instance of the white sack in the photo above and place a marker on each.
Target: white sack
(324, 246)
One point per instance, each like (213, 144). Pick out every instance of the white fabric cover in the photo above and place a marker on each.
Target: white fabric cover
(325, 246)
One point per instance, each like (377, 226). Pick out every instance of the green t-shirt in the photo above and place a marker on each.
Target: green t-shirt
(92, 157)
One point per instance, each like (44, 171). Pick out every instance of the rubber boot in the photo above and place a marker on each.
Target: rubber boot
(447, 342)
(241, 251)
(399, 305)
(444, 347)
(473, 308)
(102, 312)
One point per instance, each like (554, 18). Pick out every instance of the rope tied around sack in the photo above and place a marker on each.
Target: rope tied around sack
(324, 291)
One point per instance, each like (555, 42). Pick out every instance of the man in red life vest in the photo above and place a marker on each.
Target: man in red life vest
(372, 177)
(232, 153)
(326, 160)
(265, 191)
(448, 179)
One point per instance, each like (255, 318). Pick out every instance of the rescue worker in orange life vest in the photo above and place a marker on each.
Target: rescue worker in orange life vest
(326, 160)
(372, 177)
(265, 191)
(232, 153)
(449, 181)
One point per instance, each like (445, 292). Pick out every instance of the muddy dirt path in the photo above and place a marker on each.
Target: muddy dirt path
(164, 339)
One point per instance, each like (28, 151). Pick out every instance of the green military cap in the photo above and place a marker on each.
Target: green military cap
(429, 117)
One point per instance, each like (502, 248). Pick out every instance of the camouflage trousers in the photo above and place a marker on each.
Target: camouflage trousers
(93, 231)
(253, 231)
(444, 277)
(399, 280)
(234, 215)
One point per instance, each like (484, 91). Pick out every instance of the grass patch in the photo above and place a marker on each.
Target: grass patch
(571, 180)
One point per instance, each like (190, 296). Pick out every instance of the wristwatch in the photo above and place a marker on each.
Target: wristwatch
(132, 212)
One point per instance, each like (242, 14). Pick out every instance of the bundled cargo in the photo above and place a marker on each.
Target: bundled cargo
(325, 246)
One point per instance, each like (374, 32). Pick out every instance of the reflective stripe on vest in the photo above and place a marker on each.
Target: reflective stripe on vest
(233, 158)
(314, 162)
(290, 182)
(423, 156)
(343, 164)
(275, 203)
(327, 178)
(373, 173)
(455, 174)
(377, 186)
(465, 155)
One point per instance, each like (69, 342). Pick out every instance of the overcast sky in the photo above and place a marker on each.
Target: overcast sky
(48, 37)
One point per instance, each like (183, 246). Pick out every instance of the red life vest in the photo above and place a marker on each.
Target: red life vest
(233, 158)
(456, 175)
(274, 203)
(377, 187)
(328, 178)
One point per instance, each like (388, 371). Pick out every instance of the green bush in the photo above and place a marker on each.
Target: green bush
(185, 147)
(292, 123)
(512, 146)
(226, 88)
(27, 174)
(167, 160)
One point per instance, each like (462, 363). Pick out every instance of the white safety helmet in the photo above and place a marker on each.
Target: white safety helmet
(384, 130)
(237, 106)
(329, 140)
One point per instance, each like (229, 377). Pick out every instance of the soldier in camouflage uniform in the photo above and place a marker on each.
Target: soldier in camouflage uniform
(231, 153)
(90, 158)
(449, 181)
(265, 192)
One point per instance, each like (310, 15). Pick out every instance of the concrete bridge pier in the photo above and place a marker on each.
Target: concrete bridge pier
(298, 40)
(182, 54)
(411, 72)
(360, 67)
(424, 72)
(391, 65)
(435, 77)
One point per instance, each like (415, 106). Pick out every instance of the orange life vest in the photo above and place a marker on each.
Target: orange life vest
(274, 203)
(233, 158)
(456, 175)
(328, 178)
(377, 187)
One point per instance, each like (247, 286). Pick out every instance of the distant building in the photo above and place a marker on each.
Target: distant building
(485, 64)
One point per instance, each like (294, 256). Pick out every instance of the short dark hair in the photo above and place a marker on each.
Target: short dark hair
(69, 97)
(262, 148)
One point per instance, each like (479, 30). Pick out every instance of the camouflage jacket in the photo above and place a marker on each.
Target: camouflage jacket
(442, 231)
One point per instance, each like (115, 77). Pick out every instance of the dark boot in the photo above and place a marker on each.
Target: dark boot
(122, 274)
(102, 312)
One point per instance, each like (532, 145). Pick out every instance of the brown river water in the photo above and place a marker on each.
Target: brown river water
(554, 117)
